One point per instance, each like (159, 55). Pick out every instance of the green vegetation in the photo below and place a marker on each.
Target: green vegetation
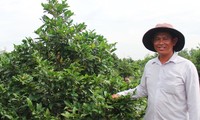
(68, 73)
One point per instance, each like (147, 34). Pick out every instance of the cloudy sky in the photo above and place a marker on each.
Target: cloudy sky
(121, 21)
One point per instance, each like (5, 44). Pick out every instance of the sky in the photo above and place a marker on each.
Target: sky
(123, 22)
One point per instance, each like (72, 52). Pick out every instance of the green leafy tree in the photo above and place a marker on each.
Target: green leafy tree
(125, 68)
(66, 73)
(63, 42)
(128, 68)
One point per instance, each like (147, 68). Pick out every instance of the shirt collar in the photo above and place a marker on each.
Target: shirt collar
(172, 59)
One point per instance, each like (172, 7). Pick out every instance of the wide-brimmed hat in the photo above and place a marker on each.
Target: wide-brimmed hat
(165, 27)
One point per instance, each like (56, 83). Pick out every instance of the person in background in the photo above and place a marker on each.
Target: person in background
(170, 82)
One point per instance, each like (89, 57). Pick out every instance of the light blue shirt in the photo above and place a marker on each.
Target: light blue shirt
(172, 89)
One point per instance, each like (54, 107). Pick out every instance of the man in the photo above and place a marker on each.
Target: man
(169, 81)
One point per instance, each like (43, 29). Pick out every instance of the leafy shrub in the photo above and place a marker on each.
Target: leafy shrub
(66, 73)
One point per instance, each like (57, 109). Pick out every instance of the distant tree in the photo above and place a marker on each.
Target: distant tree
(2, 51)
(125, 68)
(185, 53)
(143, 62)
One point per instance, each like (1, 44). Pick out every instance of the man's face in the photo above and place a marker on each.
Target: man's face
(164, 43)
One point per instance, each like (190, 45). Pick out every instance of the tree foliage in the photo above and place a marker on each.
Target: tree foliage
(67, 72)
(128, 68)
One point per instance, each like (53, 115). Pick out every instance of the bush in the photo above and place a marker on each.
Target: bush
(66, 73)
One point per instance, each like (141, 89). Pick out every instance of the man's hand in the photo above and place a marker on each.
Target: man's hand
(115, 96)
